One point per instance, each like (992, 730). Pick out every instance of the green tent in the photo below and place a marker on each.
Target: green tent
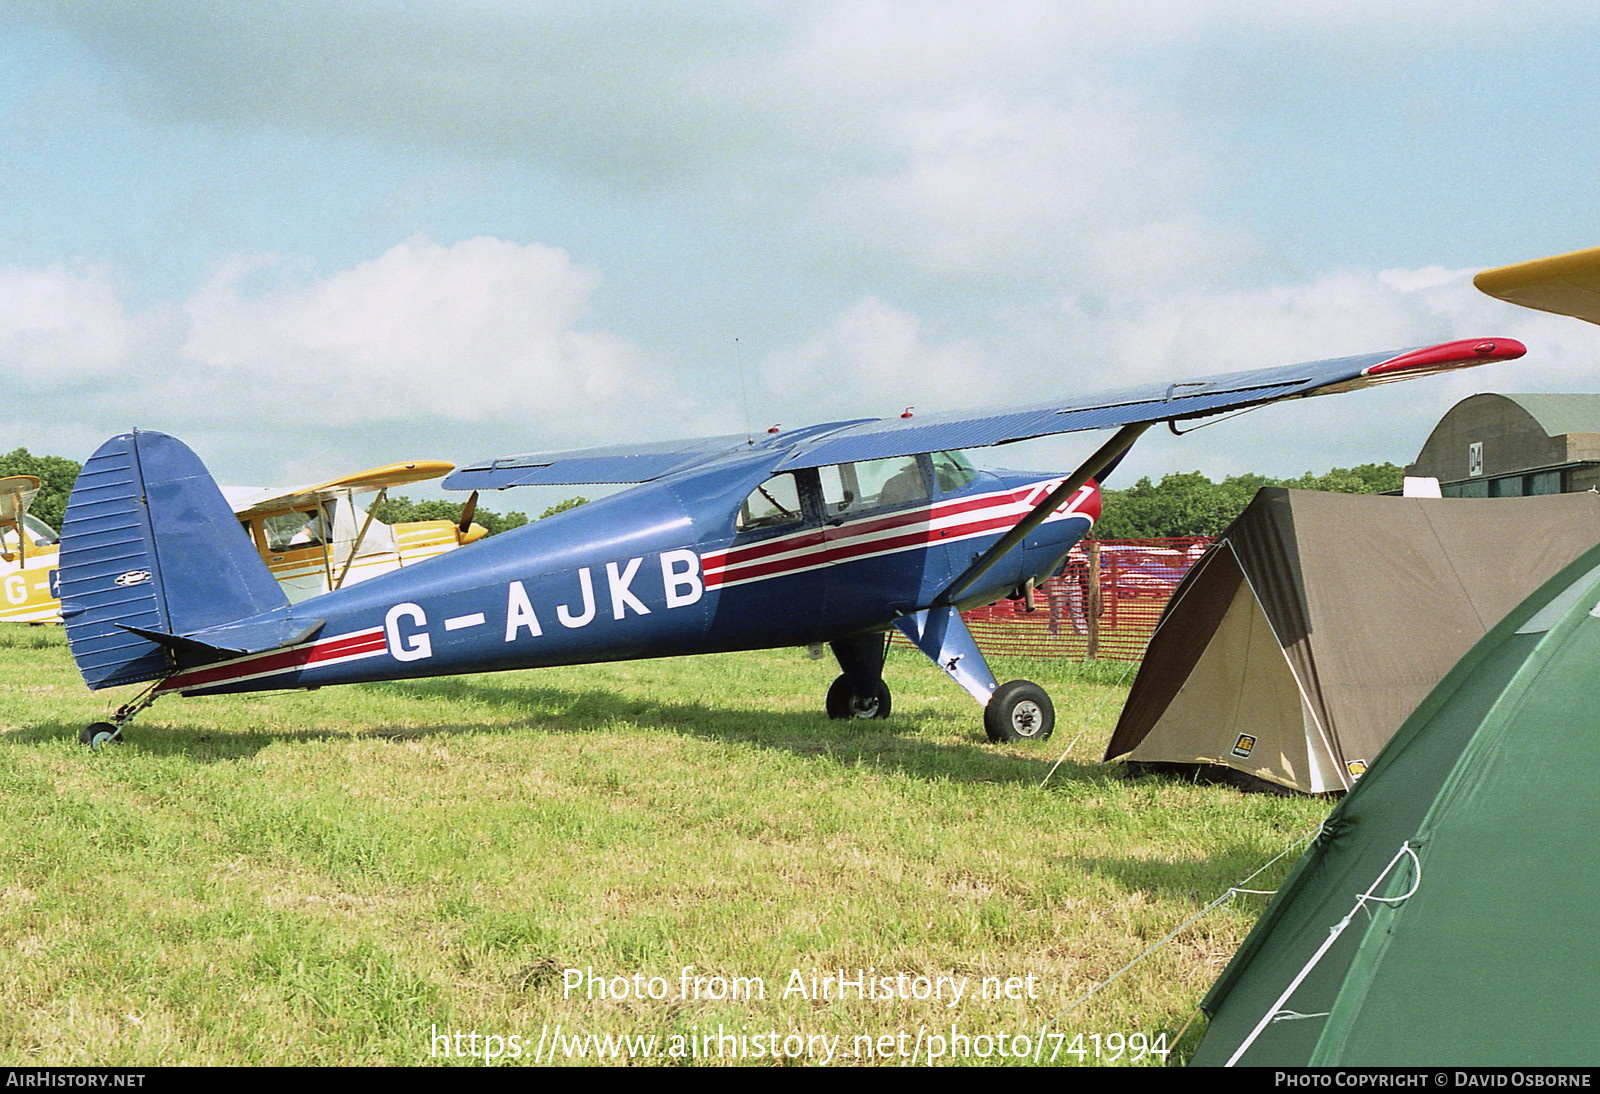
(1445, 913)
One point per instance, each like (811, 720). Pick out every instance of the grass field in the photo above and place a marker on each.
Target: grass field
(375, 874)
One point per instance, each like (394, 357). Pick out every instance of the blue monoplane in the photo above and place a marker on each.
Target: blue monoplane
(827, 535)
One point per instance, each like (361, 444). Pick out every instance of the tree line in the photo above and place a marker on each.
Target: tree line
(398, 510)
(1187, 503)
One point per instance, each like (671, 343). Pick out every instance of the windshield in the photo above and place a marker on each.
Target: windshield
(43, 535)
(953, 470)
(40, 534)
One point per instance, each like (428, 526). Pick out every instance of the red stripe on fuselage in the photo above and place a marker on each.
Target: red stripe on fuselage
(296, 657)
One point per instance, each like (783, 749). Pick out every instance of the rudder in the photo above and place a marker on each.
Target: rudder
(148, 542)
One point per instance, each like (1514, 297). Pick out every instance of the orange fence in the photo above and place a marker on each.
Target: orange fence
(1104, 603)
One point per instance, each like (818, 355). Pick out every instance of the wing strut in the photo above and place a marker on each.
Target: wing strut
(1111, 450)
(372, 510)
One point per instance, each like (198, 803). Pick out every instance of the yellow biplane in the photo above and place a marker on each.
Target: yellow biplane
(28, 549)
(316, 538)
(313, 538)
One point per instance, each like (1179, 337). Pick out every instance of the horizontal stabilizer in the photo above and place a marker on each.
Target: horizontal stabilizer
(248, 636)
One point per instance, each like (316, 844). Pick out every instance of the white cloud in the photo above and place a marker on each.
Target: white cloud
(875, 357)
(991, 186)
(266, 368)
(478, 347)
(482, 330)
(873, 360)
(1339, 313)
(61, 325)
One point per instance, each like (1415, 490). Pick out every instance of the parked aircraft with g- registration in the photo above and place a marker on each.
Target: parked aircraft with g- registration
(831, 534)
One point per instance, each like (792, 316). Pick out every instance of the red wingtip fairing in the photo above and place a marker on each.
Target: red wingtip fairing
(1467, 351)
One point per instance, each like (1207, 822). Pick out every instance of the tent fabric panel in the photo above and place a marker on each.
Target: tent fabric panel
(1186, 626)
(1373, 598)
(1357, 842)
(1506, 889)
(1398, 589)
(1501, 821)
(1240, 708)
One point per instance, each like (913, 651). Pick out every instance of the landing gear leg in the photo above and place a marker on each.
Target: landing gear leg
(97, 734)
(859, 692)
(1018, 711)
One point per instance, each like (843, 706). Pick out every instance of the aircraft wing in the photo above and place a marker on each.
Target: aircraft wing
(248, 503)
(878, 438)
(1160, 402)
(16, 494)
(1566, 284)
(622, 463)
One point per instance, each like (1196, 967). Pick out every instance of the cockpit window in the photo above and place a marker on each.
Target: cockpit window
(293, 531)
(773, 504)
(850, 488)
(952, 470)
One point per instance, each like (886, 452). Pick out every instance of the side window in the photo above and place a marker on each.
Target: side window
(773, 504)
(952, 470)
(850, 488)
(293, 531)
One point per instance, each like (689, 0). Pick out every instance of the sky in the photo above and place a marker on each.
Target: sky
(311, 237)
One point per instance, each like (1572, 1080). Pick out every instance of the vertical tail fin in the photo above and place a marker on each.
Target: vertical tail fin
(150, 550)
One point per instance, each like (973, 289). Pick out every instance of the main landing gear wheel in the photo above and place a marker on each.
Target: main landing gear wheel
(845, 703)
(1019, 711)
(99, 733)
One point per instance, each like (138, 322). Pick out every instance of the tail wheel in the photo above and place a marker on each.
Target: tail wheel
(1019, 711)
(99, 733)
(843, 702)
(96, 734)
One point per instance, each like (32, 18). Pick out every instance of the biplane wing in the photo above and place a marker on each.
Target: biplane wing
(16, 494)
(1566, 284)
(870, 439)
(256, 502)
(27, 555)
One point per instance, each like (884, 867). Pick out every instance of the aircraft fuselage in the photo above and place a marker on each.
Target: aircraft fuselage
(665, 569)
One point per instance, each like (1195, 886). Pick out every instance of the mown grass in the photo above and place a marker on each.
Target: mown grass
(335, 877)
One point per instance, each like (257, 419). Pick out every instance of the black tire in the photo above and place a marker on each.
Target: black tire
(1019, 711)
(844, 703)
(99, 733)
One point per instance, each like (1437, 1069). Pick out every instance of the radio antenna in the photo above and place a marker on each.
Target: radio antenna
(744, 394)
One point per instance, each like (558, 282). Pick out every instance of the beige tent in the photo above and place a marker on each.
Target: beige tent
(1301, 641)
